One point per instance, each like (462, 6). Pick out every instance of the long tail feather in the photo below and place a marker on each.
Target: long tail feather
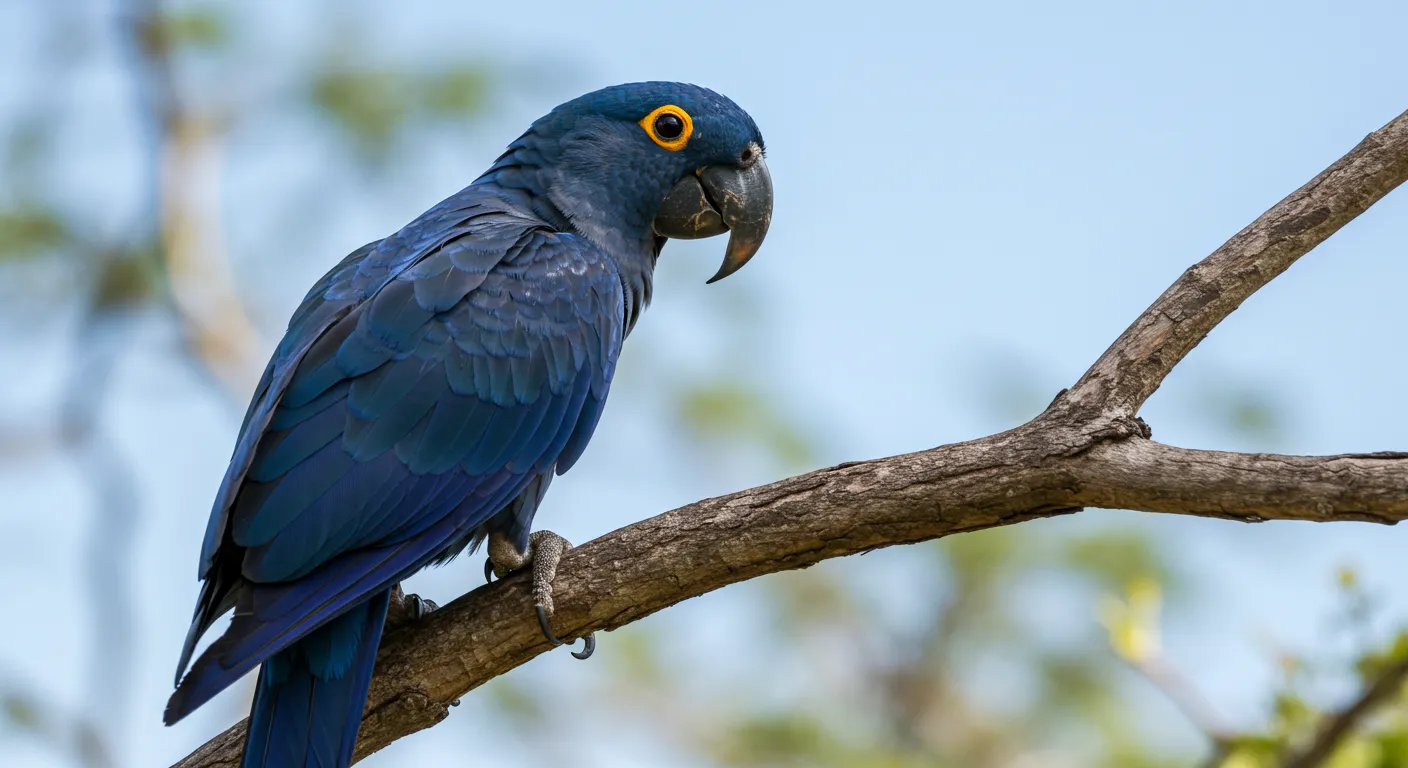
(308, 705)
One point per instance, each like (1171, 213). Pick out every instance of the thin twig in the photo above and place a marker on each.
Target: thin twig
(1187, 698)
(1386, 686)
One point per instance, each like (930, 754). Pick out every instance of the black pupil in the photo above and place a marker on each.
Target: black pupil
(669, 127)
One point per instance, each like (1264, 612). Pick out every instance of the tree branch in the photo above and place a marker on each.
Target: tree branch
(1087, 449)
(1134, 366)
(1152, 477)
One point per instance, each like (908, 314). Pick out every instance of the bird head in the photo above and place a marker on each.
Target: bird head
(648, 161)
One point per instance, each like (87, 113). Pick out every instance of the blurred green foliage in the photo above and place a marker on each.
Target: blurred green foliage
(24, 713)
(729, 411)
(375, 106)
(167, 31)
(28, 230)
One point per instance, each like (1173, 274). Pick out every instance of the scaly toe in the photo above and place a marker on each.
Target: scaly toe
(405, 608)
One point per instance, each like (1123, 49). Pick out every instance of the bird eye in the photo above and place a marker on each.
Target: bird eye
(669, 127)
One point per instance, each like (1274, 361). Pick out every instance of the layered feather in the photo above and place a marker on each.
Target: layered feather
(430, 385)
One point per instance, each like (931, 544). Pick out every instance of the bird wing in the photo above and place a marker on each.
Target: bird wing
(423, 384)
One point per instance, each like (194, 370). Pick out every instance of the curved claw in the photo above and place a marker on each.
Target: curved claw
(488, 571)
(588, 646)
(543, 624)
(417, 609)
(588, 642)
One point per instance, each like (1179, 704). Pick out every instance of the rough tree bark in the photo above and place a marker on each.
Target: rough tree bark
(1088, 449)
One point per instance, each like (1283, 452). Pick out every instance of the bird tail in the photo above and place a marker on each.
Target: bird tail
(308, 705)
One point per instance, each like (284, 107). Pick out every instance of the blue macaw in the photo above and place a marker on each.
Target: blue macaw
(431, 385)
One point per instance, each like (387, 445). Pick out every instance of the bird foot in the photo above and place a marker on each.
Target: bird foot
(545, 549)
(405, 609)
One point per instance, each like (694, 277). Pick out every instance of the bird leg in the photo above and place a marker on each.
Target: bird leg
(545, 549)
(405, 608)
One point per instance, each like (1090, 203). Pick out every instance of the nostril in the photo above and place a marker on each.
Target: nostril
(749, 154)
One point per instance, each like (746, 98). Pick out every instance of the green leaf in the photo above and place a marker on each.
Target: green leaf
(457, 92)
(374, 106)
(1133, 623)
(29, 230)
(199, 27)
(370, 105)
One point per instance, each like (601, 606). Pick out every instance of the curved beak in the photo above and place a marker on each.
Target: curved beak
(718, 199)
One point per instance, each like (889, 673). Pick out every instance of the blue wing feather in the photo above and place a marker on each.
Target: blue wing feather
(283, 450)
(429, 381)
(582, 428)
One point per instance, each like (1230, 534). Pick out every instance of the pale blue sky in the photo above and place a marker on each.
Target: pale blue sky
(956, 184)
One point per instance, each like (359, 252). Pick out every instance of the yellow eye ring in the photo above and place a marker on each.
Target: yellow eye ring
(669, 126)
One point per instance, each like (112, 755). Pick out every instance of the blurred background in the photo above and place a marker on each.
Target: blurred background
(973, 200)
